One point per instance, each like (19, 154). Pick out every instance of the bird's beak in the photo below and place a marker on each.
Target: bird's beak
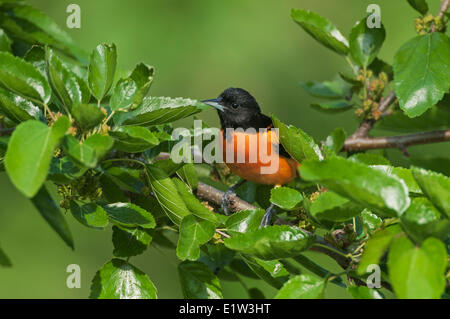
(215, 103)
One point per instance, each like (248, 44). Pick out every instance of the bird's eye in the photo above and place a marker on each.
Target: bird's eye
(235, 105)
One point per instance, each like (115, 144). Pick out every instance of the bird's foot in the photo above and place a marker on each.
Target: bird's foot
(226, 198)
(267, 218)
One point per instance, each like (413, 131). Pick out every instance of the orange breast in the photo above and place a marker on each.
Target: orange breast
(254, 157)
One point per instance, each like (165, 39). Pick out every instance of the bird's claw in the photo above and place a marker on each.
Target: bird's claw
(267, 218)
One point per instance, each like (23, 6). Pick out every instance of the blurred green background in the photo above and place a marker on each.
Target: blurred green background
(199, 48)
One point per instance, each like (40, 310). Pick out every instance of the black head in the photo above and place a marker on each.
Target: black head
(236, 108)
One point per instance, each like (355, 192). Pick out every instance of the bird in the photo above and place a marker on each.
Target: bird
(246, 131)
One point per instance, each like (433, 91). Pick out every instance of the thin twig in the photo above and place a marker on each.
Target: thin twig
(443, 8)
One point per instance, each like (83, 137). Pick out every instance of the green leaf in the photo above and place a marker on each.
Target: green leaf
(118, 279)
(326, 89)
(436, 117)
(362, 292)
(302, 287)
(158, 110)
(194, 232)
(23, 78)
(422, 220)
(102, 67)
(188, 174)
(417, 272)
(271, 242)
(369, 159)
(331, 207)
(436, 187)
(420, 6)
(4, 260)
(198, 282)
(36, 56)
(5, 42)
(58, 37)
(370, 221)
(133, 139)
(376, 247)
(167, 195)
(335, 141)
(333, 107)
(129, 92)
(126, 178)
(365, 42)
(321, 29)
(286, 198)
(318, 270)
(69, 88)
(194, 205)
(271, 271)
(129, 215)
(87, 115)
(17, 108)
(404, 174)
(298, 144)
(419, 85)
(244, 221)
(130, 242)
(384, 193)
(49, 210)
(30, 151)
(90, 151)
(91, 214)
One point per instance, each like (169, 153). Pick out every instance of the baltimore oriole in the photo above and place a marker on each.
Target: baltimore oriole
(245, 132)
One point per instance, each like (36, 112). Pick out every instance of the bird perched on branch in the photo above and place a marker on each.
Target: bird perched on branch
(250, 145)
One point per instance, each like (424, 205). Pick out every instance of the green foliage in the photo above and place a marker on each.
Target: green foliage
(71, 125)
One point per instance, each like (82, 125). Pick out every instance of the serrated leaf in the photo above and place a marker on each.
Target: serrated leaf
(194, 232)
(130, 242)
(167, 195)
(244, 221)
(133, 139)
(302, 287)
(49, 210)
(68, 87)
(335, 142)
(331, 207)
(369, 159)
(286, 198)
(90, 151)
(30, 151)
(417, 272)
(90, 215)
(422, 220)
(365, 42)
(298, 144)
(271, 271)
(422, 72)
(102, 67)
(188, 174)
(17, 108)
(23, 78)
(118, 279)
(376, 247)
(198, 282)
(332, 107)
(129, 92)
(194, 205)
(87, 116)
(436, 188)
(321, 29)
(158, 110)
(271, 242)
(129, 215)
(384, 193)
(326, 89)
(126, 178)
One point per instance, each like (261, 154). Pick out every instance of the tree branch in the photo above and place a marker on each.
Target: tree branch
(400, 141)
(214, 195)
(443, 8)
